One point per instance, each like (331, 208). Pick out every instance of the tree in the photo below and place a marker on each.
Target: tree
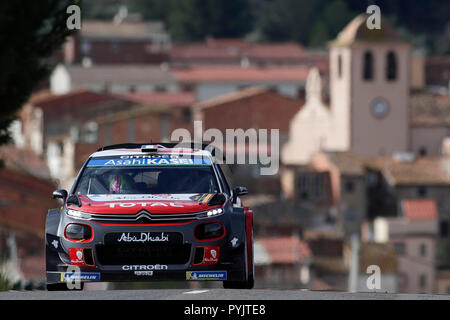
(30, 31)
(194, 20)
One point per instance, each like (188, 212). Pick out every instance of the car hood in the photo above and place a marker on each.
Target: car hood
(154, 203)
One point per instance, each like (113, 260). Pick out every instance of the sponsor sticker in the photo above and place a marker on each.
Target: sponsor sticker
(211, 255)
(206, 275)
(76, 256)
(149, 267)
(80, 276)
(148, 162)
(143, 237)
(143, 273)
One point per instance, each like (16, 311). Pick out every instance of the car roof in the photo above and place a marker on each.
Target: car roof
(161, 151)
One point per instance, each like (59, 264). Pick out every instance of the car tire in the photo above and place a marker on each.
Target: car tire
(246, 284)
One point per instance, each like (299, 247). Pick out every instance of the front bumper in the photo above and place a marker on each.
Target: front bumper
(223, 257)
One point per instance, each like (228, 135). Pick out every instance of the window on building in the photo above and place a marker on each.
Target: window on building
(349, 186)
(115, 47)
(443, 228)
(399, 248)
(303, 187)
(89, 133)
(339, 66)
(423, 151)
(85, 47)
(391, 66)
(186, 114)
(368, 66)
(422, 281)
(423, 250)
(422, 191)
(318, 185)
(160, 88)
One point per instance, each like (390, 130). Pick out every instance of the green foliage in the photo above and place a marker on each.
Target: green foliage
(309, 22)
(30, 31)
(4, 283)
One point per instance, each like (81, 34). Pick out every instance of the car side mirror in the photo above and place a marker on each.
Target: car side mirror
(60, 194)
(239, 191)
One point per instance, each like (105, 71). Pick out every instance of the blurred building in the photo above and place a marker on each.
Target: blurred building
(125, 40)
(239, 52)
(119, 78)
(374, 257)
(67, 128)
(209, 82)
(437, 73)
(369, 97)
(283, 262)
(25, 197)
(426, 178)
(249, 109)
(413, 235)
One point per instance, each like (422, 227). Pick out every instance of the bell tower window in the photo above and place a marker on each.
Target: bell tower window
(391, 66)
(368, 66)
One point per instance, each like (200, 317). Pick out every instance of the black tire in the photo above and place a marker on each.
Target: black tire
(62, 287)
(246, 284)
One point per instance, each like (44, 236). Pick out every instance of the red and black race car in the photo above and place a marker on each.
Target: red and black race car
(146, 213)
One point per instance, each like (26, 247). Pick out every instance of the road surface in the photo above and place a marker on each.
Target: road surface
(211, 294)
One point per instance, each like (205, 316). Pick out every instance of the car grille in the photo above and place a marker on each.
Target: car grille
(143, 217)
(140, 254)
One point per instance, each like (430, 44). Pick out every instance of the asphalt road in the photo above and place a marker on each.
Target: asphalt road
(211, 294)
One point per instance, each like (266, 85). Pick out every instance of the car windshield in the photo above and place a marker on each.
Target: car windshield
(147, 176)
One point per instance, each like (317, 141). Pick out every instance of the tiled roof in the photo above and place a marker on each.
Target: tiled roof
(421, 171)
(419, 209)
(286, 250)
(231, 97)
(236, 49)
(236, 74)
(164, 98)
(76, 98)
(347, 162)
(119, 74)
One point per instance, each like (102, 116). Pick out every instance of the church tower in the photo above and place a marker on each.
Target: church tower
(369, 90)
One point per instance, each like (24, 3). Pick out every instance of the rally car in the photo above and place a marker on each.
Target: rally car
(141, 212)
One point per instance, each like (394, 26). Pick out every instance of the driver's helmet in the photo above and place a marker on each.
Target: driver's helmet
(120, 183)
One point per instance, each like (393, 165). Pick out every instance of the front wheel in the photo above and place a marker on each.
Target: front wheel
(249, 261)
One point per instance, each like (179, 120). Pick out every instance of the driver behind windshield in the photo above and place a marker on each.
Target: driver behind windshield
(121, 183)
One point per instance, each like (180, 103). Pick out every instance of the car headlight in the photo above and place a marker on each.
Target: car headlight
(78, 214)
(78, 232)
(211, 213)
